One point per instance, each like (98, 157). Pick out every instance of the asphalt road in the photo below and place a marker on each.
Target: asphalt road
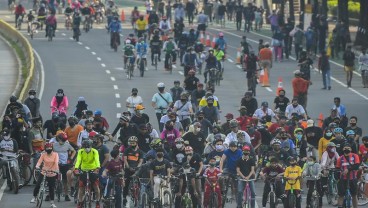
(91, 69)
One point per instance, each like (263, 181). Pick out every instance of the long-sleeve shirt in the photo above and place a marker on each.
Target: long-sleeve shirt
(50, 162)
(300, 86)
(87, 161)
(363, 62)
(327, 162)
(311, 170)
(322, 145)
(232, 136)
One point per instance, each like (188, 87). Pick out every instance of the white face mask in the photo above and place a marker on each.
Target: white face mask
(198, 129)
(140, 111)
(87, 149)
(32, 96)
(179, 146)
(6, 137)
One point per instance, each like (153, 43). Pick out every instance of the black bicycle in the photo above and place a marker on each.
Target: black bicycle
(109, 199)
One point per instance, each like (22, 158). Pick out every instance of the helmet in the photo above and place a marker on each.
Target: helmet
(365, 138)
(264, 104)
(298, 130)
(156, 142)
(350, 132)
(246, 148)
(92, 134)
(188, 148)
(210, 98)
(210, 49)
(191, 71)
(48, 145)
(161, 84)
(86, 144)
(42, 5)
(332, 125)
(32, 91)
(275, 141)
(13, 99)
(164, 18)
(338, 130)
(291, 158)
(139, 107)
(124, 118)
(133, 139)
(88, 121)
(179, 140)
(62, 136)
(233, 123)
(127, 42)
(221, 34)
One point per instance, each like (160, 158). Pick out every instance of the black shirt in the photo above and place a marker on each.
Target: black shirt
(197, 96)
(195, 161)
(133, 156)
(160, 167)
(178, 156)
(144, 141)
(313, 134)
(281, 104)
(125, 132)
(245, 166)
(251, 105)
(138, 120)
(50, 127)
(196, 141)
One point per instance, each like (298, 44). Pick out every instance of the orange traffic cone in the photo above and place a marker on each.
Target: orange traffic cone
(208, 41)
(279, 86)
(238, 56)
(202, 38)
(261, 75)
(213, 41)
(320, 120)
(122, 16)
(147, 16)
(266, 81)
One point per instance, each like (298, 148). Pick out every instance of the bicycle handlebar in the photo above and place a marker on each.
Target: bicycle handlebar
(241, 179)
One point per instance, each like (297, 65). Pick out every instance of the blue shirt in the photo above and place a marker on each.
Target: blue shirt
(221, 43)
(141, 48)
(115, 27)
(231, 158)
(161, 102)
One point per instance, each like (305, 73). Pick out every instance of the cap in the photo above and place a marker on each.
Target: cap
(81, 99)
(229, 115)
(246, 148)
(310, 123)
(92, 134)
(242, 108)
(264, 104)
(139, 107)
(134, 90)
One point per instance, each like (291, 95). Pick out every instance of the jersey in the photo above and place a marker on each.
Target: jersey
(169, 46)
(141, 24)
(344, 163)
(128, 50)
(293, 172)
(221, 43)
(219, 54)
(141, 48)
(87, 161)
(212, 176)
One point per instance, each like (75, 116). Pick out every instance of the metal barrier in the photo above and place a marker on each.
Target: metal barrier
(11, 33)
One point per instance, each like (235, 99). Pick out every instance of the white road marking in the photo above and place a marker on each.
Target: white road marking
(268, 89)
(63, 34)
(7, 17)
(108, 72)
(93, 53)
(112, 79)
(87, 47)
(121, 35)
(238, 66)
(231, 61)
(103, 65)
(118, 115)
(80, 43)
(42, 87)
(117, 95)
(174, 66)
(181, 73)
(98, 59)
(2, 190)
(116, 87)
(120, 68)
(71, 38)
(118, 105)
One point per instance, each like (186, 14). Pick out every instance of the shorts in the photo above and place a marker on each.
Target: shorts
(341, 187)
(63, 170)
(201, 27)
(93, 177)
(349, 68)
(266, 64)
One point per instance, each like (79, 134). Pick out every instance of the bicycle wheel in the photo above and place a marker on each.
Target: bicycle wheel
(225, 189)
(272, 200)
(362, 198)
(314, 203)
(25, 174)
(247, 201)
(347, 201)
(15, 182)
(186, 202)
(36, 175)
(39, 198)
(213, 200)
(334, 195)
(254, 85)
(58, 190)
(167, 202)
(155, 62)
(130, 71)
(292, 200)
(141, 67)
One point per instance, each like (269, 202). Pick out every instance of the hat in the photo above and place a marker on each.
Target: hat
(139, 107)
(229, 115)
(81, 99)
(310, 123)
(242, 108)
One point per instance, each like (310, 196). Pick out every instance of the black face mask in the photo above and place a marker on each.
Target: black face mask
(210, 104)
(169, 127)
(160, 155)
(200, 117)
(71, 123)
(281, 96)
(189, 154)
(346, 151)
(295, 105)
(183, 100)
(352, 124)
(48, 151)
(293, 164)
(134, 94)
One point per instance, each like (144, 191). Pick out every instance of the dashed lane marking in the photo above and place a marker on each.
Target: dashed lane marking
(103, 65)
(63, 34)
(174, 66)
(108, 72)
(71, 38)
(117, 95)
(87, 47)
(80, 43)
(118, 115)
(238, 66)
(112, 79)
(181, 73)
(118, 105)
(98, 59)
(116, 87)
(268, 89)
(231, 61)
(93, 53)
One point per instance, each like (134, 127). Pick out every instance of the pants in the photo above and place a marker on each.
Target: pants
(190, 17)
(278, 52)
(153, 52)
(156, 186)
(160, 125)
(326, 77)
(287, 47)
(167, 56)
(50, 183)
(118, 190)
(365, 78)
(278, 190)
(248, 25)
(311, 187)
(238, 24)
(241, 186)
(207, 192)
(112, 34)
(16, 18)
(349, 75)
(298, 49)
(127, 178)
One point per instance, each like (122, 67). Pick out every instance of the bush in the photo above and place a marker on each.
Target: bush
(353, 7)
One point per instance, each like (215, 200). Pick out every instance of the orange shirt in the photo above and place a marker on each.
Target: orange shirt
(50, 162)
(73, 133)
(265, 54)
(300, 86)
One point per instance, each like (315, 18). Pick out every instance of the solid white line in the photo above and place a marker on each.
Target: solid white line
(118, 115)
(71, 38)
(63, 34)
(42, 87)
(116, 87)
(112, 78)
(80, 43)
(108, 71)
(98, 59)
(268, 89)
(93, 53)
(238, 66)
(103, 65)
(181, 73)
(87, 47)
(174, 66)
(231, 61)
(118, 105)
(2, 189)
(7, 17)
(117, 95)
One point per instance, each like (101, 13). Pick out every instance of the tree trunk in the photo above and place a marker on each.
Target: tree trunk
(362, 33)
(267, 9)
(343, 15)
(291, 10)
(302, 10)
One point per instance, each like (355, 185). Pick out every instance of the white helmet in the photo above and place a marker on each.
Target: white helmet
(128, 42)
(161, 84)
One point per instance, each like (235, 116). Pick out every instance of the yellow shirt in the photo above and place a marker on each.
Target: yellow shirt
(219, 54)
(293, 172)
(322, 145)
(141, 24)
(87, 161)
(203, 103)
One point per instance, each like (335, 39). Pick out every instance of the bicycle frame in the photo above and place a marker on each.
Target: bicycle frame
(186, 200)
(144, 196)
(11, 162)
(348, 198)
(315, 195)
(292, 201)
(163, 188)
(247, 193)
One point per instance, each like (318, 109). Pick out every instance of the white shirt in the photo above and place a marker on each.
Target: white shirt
(232, 137)
(259, 113)
(9, 146)
(363, 62)
(133, 101)
(290, 110)
(154, 134)
(165, 25)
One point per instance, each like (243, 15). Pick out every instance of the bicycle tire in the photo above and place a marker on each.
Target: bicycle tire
(272, 200)
(314, 201)
(130, 71)
(36, 175)
(292, 200)
(247, 203)
(58, 190)
(224, 193)
(362, 198)
(155, 63)
(24, 180)
(213, 200)
(136, 197)
(15, 182)
(167, 196)
(141, 67)
(39, 198)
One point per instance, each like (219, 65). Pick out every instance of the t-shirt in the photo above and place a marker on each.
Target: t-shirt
(114, 167)
(102, 150)
(215, 154)
(62, 150)
(195, 161)
(212, 175)
(259, 113)
(290, 109)
(255, 138)
(293, 172)
(133, 156)
(281, 104)
(50, 127)
(363, 153)
(73, 133)
(196, 141)
(231, 158)
(313, 134)
(87, 161)
(273, 171)
(178, 156)
(133, 101)
(357, 130)
(344, 163)
(162, 101)
(144, 141)
(160, 167)
(265, 54)
(245, 166)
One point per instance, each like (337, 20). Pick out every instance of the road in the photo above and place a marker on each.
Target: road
(91, 69)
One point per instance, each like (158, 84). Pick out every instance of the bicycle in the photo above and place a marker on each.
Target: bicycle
(32, 28)
(246, 193)
(59, 186)
(292, 196)
(19, 22)
(272, 194)
(41, 192)
(87, 198)
(50, 33)
(10, 170)
(213, 78)
(186, 200)
(25, 171)
(140, 64)
(165, 199)
(348, 199)
(87, 23)
(213, 195)
(331, 190)
(134, 191)
(253, 83)
(130, 66)
(169, 63)
(155, 59)
(144, 190)
(314, 201)
(109, 199)
(224, 184)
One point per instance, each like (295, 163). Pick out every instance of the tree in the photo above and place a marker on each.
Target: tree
(362, 33)
(343, 15)
(291, 10)
(267, 8)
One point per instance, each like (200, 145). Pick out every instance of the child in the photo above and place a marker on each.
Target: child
(312, 171)
(292, 175)
(212, 174)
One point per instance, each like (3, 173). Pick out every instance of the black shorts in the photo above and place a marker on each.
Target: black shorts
(201, 27)
(63, 169)
(341, 187)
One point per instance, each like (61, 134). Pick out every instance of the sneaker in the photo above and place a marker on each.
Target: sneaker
(124, 202)
(53, 205)
(72, 191)
(146, 69)
(33, 200)
(97, 204)
(47, 198)
(329, 88)
(67, 198)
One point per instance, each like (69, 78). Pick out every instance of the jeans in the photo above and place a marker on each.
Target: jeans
(50, 182)
(241, 186)
(118, 190)
(326, 77)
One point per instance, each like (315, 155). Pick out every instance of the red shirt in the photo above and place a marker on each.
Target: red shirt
(300, 86)
(343, 163)
(363, 153)
(243, 121)
(272, 129)
(255, 138)
(212, 176)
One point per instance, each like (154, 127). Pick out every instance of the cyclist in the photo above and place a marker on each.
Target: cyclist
(170, 49)
(113, 168)
(221, 42)
(30, 20)
(251, 63)
(211, 62)
(264, 111)
(153, 18)
(51, 22)
(133, 100)
(212, 174)
(164, 26)
(178, 153)
(161, 102)
(313, 169)
(83, 135)
(50, 160)
(141, 50)
(273, 172)
(86, 13)
(76, 5)
(246, 47)
(139, 117)
(103, 154)
(73, 130)
(292, 175)
(191, 81)
(68, 11)
(129, 52)
(76, 24)
(218, 150)
(155, 45)
(349, 164)
(87, 160)
(178, 29)
(20, 11)
(245, 170)
(328, 160)
(41, 14)
(350, 138)
(195, 162)
(183, 108)
(363, 149)
(8, 146)
(339, 140)
(132, 39)
(220, 56)
(141, 26)
(115, 29)
(276, 152)
(126, 130)
(192, 37)
(156, 144)
(190, 60)
(176, 91)
(159, 166)
(135, 16)
(133, 159)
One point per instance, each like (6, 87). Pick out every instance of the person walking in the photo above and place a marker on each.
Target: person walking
(324, 67)
(349, 58)
(363, 67)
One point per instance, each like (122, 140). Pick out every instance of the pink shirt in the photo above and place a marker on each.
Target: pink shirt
(50, 162)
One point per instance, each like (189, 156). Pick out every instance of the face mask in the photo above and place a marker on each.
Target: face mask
(183, 100)
(140, 111)
(160, 155)
(295, 105)
(200, 117)
(189, 154)
(7, 137)
(87, 149)
(246, 153)
(179, 146)
(198, 129)
(346, 151)
(352, 124)
(134, 94)
(328, 134)
(71, 123)
(133, 146)
(31, 96)
(276, 148)
(210, 104)
(60, 95)
(299, 136)
(170, 128)
(219, 147)
(293, 164)
(333, 150)
(48, 151)
(310, 163)
(281, 96)
(212, 164)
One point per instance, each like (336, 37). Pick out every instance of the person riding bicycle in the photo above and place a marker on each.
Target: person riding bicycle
(276, 152)
(51, 22)
(133, 159)
(220, 56)
(363, 150)
(293, 175)
(349, 164)
(59, 102)
(30, 19)
(20, 11)
(251, 63)
(50, 161)
(141, 26)
(211, 62)
(41, 14)
(192, 37)
(155, 45)
(190, 61)
(141, 51)
(183, 44)
(221, 42)
(87, 161)
(68, 11)
(115, 29)
(164, 26)
(312, 170)
(8, 146)
(178, 29)
(246, 47)
(86, 13)
(170, 49)
(191, 81)
(134, 16)
(129, 53)
(132, 39)
(212, 174)
(76, 5)
(161, 101)
(76, 24)
(159, 166)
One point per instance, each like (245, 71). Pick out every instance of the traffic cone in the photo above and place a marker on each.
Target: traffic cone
(208, 41)
(261, 75)
(213, 41)
(122, 16)
(320, 120)
(238, 56)
(202, 38)
(266, 81)
(279, 86)
(147, 16)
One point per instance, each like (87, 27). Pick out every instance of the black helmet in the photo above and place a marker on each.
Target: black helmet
(13, 99)
(86, 144)
(88, 121)
(32, 91)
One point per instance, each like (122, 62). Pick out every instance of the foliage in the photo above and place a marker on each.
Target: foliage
(353, 7)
